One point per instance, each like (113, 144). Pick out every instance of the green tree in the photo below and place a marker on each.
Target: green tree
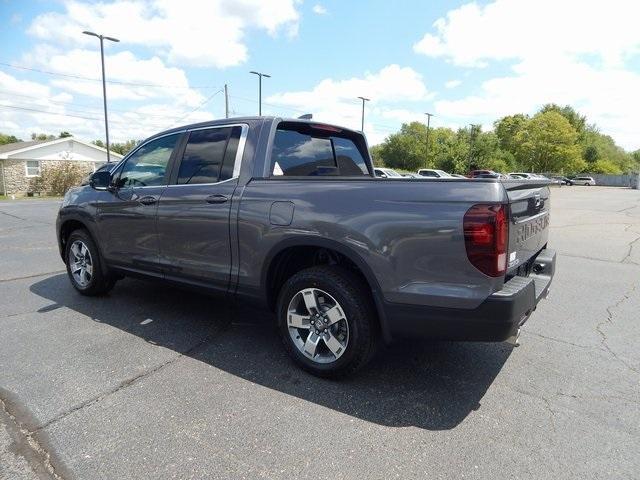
(42, 136)
(591, 154)
(124, 148)
(549, 144)
(577, 121)
(376, 155)
(507, 128)
(406, 149)
(121, 148)
(65, 134)
(5, 139)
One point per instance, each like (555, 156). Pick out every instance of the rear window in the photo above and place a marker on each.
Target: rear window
(306, 153)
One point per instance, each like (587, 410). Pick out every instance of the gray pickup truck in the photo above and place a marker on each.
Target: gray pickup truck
(288, 215)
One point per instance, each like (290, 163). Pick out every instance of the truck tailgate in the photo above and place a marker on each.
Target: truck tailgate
(529, 204)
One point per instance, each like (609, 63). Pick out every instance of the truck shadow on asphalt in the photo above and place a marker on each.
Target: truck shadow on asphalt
(430, 385)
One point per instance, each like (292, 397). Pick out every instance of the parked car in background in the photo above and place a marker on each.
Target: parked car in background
(586, 181)
(457, 175)
(563, 180)
(386, 173)
(411, 175)
(287, 215)
(432, 173)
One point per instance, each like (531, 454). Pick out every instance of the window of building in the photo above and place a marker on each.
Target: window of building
(33, 168)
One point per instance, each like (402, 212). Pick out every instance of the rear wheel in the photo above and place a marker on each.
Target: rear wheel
(327, 321)
(84, 267)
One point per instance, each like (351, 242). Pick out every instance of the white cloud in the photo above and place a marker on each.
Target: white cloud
(336, 101)
(510, 29)
(319, 9)
(122, 67)
(569, 52)
(452, 83)
(27, 106)
(190, 32)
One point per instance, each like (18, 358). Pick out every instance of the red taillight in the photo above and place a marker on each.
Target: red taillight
(486, 233)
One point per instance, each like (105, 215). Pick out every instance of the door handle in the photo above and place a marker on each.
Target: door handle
(217, 199)
(148, 200)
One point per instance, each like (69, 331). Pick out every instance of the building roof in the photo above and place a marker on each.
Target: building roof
(19, 147)
(10, 147)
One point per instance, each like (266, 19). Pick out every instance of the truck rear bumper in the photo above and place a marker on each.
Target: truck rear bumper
(496, 319)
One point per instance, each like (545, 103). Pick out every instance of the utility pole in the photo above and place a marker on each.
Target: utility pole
(363, 100)
(226, 101)
(429, 115)
(260, 75)
(104, 85)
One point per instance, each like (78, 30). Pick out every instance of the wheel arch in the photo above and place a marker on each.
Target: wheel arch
(277, 268)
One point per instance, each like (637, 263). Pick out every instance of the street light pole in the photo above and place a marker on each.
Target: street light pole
(260, 75)
(429, 115)
(363, 100)
(104, 85)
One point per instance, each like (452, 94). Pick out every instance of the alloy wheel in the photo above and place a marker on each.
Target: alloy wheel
(80, 263)
(317, 325)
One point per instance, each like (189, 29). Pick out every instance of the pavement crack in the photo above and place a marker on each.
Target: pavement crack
(628, 255)
(55, 272)
(12, 215)
(566, 342)
(33, 451)
(609, 320)
(128, 382)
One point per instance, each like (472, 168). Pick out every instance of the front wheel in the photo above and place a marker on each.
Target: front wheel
(84, 267)
(327, 321)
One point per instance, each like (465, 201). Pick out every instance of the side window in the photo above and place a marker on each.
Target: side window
(148, 165)
(297, 154)
(348, 157)
(203, 156)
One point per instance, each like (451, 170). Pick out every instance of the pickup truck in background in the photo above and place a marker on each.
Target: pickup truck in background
(288, 214)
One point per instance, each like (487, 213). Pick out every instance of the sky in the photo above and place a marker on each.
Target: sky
(465, 62)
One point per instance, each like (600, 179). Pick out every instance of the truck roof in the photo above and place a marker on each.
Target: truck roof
(250, 119)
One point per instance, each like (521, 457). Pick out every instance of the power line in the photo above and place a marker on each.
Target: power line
(50, 113)
(83, 105)
(116, 82)
(198, 107)
(46, 112)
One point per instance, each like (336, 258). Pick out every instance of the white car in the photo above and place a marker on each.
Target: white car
(432, 173)
(586, 181)
(386, 173)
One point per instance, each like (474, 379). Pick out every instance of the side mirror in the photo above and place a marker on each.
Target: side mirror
(100, 180)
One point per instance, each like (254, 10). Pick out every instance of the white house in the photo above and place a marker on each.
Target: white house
(22, 161)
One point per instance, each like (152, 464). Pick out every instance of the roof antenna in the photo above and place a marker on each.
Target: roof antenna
(306, 116)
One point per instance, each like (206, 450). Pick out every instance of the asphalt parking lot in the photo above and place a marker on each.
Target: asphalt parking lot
(153, 382)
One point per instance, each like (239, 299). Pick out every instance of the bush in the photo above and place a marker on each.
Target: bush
(57, 179)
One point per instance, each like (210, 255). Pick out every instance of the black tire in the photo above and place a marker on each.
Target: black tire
(99, 283)
(355, 300)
